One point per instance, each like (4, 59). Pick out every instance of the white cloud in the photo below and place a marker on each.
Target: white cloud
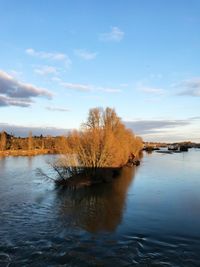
(190, 87)
(14, 92)
(85, 87)
(45, 70)
(89, 88)
(150, 90)
(57, 109)
(55, 56)
(77, 86)
(115, 35)
(46, 55)
(84, 54)
(108, 90)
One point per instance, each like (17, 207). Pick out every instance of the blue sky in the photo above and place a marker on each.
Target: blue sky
(60, 58)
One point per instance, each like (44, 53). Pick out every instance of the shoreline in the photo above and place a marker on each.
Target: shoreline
(22, 152)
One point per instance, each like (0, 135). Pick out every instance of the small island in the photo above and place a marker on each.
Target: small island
(97, 152)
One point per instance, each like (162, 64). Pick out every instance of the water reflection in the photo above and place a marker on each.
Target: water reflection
(30, 162)
(2, 164)
(96, 208)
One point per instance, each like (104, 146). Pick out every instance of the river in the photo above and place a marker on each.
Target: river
(149, 216)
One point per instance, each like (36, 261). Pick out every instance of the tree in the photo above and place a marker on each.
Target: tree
(3, 143)
(94, 120)
(62, 145)
(104, 141)
(30, 141)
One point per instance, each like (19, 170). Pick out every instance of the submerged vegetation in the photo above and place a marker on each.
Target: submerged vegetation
(98, 151)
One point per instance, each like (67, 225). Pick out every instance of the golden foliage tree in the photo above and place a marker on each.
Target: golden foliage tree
(30, 141)
(103, 141)
(3, 142)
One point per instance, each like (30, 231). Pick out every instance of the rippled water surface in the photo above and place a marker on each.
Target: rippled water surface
(150, 216)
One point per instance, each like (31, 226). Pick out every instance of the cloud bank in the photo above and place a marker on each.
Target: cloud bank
(17, 93)
(167, 130)
(19, 102)
(23, 131)
(154, 126)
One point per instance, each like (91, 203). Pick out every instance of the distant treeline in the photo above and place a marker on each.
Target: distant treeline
(58, 144)
(188, 144)
(10, 142)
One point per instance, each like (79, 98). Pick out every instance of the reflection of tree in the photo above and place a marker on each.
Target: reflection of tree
(2, 164)
(96, 208)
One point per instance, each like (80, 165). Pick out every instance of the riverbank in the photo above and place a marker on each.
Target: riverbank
(22, 152)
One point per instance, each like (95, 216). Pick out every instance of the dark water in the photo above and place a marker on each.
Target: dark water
(150, 216)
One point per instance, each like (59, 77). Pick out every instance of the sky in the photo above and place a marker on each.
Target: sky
(60, 58)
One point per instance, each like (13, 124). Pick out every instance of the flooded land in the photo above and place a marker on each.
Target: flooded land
(149, 216)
